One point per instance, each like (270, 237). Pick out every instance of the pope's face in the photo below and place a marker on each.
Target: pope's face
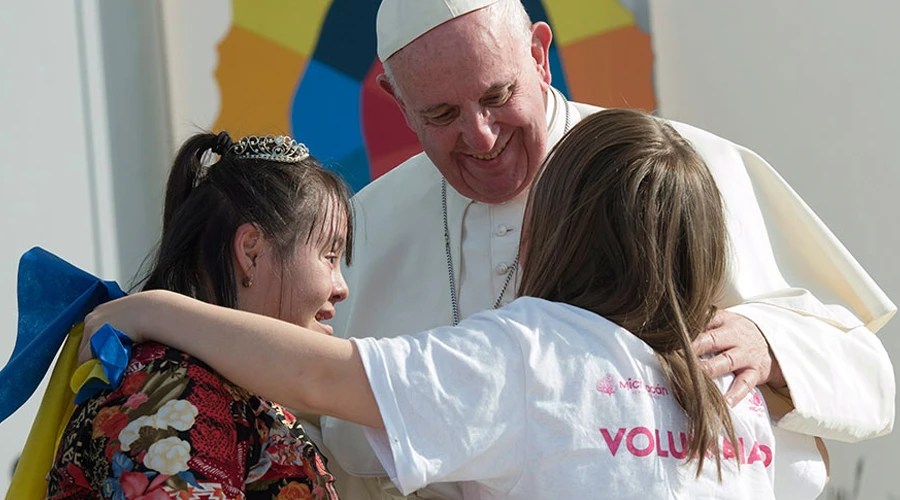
(475, 96)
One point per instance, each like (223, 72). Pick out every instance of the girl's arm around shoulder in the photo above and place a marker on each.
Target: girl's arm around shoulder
(296, 367)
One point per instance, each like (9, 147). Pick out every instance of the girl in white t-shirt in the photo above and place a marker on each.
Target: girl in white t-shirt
(586, 387)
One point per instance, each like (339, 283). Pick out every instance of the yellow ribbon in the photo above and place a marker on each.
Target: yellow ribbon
(30, 478)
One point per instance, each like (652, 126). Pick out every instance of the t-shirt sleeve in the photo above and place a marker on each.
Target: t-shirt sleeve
(453, 404)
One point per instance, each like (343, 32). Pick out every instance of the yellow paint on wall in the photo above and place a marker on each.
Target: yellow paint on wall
(575, 20)
(294, 24)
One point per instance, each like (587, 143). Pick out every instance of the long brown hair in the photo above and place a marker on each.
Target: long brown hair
(626, 221)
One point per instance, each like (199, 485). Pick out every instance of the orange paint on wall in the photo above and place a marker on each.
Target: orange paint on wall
(614, 69)
(257, 80)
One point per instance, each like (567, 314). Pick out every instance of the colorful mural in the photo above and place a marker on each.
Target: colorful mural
(308, 69)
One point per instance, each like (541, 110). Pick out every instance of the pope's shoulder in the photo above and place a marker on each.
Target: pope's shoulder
(403, 198)
(700, 138)
(703, 140)
(417, 171)
(406, 186)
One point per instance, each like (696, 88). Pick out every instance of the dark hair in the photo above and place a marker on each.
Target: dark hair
(206, 204)
(626, 221)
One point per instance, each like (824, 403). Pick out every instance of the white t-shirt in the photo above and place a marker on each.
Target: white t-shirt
(541, 400)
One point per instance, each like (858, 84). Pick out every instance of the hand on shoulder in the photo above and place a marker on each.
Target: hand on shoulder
(126, 315)
(738, 346)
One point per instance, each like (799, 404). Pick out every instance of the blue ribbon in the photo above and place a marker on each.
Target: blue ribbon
(53, 297)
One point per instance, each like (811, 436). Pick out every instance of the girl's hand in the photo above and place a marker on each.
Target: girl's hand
(122, 314)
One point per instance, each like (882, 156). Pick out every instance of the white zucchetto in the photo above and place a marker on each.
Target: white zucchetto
(399, 22)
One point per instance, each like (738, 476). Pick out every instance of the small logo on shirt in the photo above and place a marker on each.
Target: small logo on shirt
(610, 383)
(755, 403)
(607, 384)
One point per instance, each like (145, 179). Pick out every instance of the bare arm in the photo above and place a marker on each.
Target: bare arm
(280, 361)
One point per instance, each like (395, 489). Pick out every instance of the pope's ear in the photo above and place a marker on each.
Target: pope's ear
(385, 84)
(541, 36)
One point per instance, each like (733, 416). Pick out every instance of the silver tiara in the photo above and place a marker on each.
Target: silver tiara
(280, 148)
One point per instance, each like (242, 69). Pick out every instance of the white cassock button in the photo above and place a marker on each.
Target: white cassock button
(502, 230)
(502, 269)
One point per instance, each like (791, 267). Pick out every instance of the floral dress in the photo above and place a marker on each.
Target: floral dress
(177, 429)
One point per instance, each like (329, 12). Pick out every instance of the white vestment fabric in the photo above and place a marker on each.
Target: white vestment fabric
(840, 378)
(542, 400)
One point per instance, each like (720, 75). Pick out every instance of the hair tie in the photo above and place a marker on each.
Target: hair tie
(211, 156)
(223, 143)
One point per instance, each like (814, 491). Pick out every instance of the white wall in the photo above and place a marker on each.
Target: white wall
(84, 144)
(45, 175)
(814, 87)
(193, 31)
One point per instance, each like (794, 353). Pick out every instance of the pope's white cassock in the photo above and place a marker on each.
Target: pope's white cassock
(840, 380)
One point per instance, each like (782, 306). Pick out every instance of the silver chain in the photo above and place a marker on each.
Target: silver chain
(454, 303)
(566, 104)
(454, 306)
